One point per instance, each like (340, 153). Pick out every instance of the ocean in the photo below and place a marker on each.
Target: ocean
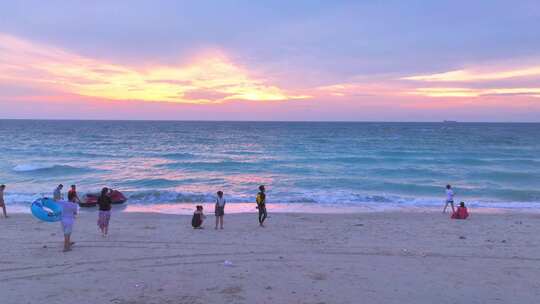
(311, 163)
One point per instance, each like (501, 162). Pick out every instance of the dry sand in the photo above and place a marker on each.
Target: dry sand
(389, 257)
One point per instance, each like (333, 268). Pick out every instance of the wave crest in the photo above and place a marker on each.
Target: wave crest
(48, 168)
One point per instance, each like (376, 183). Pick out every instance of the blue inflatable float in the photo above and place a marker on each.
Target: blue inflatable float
(47, 210)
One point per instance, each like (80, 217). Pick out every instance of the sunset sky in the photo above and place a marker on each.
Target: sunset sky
(358, 60)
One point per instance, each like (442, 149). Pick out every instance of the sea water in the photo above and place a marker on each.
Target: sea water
(342, 164)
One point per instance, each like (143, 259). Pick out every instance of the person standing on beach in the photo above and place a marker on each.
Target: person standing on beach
(104, 217)
(220, 209)
(57, 193)
(2, 202)
(449, 198)
(73, 196)
(261, 205)
(69, 210)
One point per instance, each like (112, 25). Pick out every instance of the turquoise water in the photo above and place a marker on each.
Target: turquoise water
(383, 164)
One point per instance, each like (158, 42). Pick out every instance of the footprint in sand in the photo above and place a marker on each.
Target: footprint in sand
(232, 290)
(318, 276)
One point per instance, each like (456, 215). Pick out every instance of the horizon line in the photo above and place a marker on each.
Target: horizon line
(267, 121)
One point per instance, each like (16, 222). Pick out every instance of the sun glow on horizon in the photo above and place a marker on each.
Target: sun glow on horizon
(35, 72)
(210, 78)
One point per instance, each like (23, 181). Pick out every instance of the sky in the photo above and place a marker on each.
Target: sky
(411, 60)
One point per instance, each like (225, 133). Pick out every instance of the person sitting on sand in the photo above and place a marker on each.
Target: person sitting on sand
(220, 209)
(104, 216)
(198, 218)
(69, 210)
(461, 213)
(261, 205)
(57, 193)
(73, 196)
(2, 202)
(449, 198)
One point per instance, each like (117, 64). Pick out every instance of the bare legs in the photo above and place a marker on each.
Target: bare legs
(104, 230)
(446, 206)
(219, 220)
(67, 242)
(262, 215)
(4, 209)
(103, 222)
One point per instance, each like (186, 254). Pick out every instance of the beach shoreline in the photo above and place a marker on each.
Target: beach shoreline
(378, 257)
(187, 208)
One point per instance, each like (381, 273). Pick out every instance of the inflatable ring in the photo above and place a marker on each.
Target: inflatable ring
(40, 206)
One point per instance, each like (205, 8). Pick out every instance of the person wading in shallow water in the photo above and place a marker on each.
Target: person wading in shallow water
(261, 205)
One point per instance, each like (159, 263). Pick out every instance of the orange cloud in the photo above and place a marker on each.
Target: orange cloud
(210, 78)
(476, 82)
(352, 89)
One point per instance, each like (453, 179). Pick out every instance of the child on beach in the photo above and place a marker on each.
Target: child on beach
(72, 195)
(104, 216)
(261, 205)
(461, 212)
(2, 202)
(449, 198)
(220, 209)
(198, 218)
(69, 210)
(57, 193)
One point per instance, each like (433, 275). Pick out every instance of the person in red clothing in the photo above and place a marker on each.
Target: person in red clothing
(73, 196)
(461, 213)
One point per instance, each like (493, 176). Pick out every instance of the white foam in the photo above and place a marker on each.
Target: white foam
(31, 167)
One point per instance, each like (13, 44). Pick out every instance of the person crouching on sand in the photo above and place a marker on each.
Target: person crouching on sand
(104, 217)
(261, 205)
(69, 210)
(198, 218)
(2, 202)
(461, 213)
(220, 209)
(449, 198)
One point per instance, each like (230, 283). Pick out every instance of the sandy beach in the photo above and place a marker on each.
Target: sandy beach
(386, 257)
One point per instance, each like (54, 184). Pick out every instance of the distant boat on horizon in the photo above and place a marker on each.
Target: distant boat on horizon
(449, 121)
